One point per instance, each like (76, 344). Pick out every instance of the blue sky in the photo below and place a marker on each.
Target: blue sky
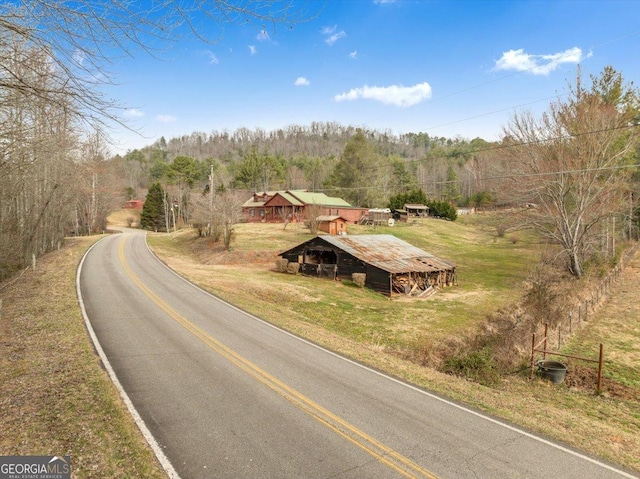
(445, 68)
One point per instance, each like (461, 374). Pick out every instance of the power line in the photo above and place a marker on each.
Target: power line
(473, 87)
(518, 144)
(501, 177)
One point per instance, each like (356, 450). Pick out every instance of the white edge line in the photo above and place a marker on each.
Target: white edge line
(162, 458)
(403, 383)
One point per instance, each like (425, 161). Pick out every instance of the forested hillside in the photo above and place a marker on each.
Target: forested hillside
(366, 167)
(575, 168)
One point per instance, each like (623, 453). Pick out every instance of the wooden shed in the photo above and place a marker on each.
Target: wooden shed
(332, 224)
(390, 264)
(134, 204)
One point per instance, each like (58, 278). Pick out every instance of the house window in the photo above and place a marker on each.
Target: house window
(252, 212)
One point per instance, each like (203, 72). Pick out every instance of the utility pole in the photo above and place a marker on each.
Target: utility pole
(211, 202)
(94, 208)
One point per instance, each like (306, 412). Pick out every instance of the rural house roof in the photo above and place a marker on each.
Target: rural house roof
(389, 253)
(329, 218)
(250, 203)
(415, 206)
(287, 196)
(296, 198)
(312, 198)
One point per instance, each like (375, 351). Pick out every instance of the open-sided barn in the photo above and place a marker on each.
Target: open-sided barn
(389, 263)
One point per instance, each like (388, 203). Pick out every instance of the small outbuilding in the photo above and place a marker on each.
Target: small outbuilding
(134, 204)
(332, 224)
(390, 265)
(416, 210)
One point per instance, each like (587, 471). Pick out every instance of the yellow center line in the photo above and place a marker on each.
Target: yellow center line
(381, 452)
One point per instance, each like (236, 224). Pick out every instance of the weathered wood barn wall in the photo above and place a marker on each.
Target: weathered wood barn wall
(390, 264)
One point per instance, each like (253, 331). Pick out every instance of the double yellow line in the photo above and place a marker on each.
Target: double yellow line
(382, 453)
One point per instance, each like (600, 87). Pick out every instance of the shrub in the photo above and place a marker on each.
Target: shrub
(477, 365)
(442, 209)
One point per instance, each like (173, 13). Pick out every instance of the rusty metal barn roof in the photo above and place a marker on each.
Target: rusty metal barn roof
(389, 253)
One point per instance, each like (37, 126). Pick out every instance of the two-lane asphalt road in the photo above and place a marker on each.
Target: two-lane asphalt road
(226, 395)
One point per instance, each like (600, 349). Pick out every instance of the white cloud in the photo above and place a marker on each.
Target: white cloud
(353, 54)
(332, 34)
(397, 95)
(213, 59)
(520, 61)
(263, 36)
(302, 81)
(165, 118)
(133, 113)
(252, 49)
(79, 57)
(329, 30)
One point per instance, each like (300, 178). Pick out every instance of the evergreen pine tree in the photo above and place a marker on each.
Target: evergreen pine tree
(152, 216)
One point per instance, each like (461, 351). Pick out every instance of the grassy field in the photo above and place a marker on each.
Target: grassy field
(56, 398)
(490, 271)
(375, 330)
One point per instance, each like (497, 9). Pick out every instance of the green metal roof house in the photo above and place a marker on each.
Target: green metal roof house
(297, 205)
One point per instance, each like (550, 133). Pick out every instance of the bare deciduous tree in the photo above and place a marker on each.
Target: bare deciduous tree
(54, 57)
(76, 36)
(227, 212)
(571, 164)
(36, 138)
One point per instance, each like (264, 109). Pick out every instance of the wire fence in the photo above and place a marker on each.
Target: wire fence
(581, 313)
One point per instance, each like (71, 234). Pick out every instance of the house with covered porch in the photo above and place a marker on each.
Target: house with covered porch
(289, 206)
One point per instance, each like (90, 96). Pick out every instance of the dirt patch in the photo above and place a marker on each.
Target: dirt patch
(584, 378)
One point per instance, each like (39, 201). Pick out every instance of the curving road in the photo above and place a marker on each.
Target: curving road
(223, 394)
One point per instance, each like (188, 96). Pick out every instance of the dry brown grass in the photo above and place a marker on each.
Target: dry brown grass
(125, 217)
(54, 396)
(604, 426)
(56, 399)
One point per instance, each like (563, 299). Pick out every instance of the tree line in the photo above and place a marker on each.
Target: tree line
(56, 174)
(575, 165)
(572, 173)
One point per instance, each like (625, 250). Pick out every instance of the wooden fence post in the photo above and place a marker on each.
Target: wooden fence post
(533, 347)
(599, 388)
(586, 309)
(570, 321)
(559, 336)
